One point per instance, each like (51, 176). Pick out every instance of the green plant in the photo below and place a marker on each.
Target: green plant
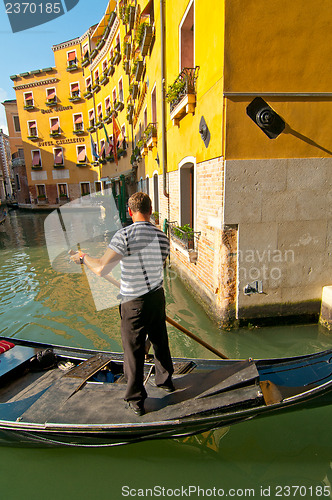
(175, 90)
(140, 33)
(182, 231)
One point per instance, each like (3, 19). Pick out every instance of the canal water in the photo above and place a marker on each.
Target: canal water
(281, 456)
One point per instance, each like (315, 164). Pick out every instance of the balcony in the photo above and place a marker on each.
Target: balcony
(86, 60)
(72, 66)
(88, 93)
(75, 96)
(150, 135)
(29, 105)
(146, 39)
(78, 131)
(51, 102)
(181, 94)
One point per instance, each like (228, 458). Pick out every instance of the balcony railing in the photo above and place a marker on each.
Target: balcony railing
(184, 236)
(181, 94)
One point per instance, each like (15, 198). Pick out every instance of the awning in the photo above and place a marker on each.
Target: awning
(75, 87)
(102, 149)
(28, 95)
(51, 95)
(58, 160)
(36, 158)
(109, 148)
(71, 56)
(78, 119)
(55, 126)
(81, 155)
(91, 115)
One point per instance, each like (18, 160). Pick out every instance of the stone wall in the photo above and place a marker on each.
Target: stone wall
(283, 211)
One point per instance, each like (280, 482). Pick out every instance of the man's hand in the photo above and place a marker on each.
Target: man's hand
(75, 256)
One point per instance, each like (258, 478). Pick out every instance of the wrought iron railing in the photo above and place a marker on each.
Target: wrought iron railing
(183, 85)
(187, 238)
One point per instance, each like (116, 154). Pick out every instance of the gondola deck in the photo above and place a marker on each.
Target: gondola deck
(73, 407)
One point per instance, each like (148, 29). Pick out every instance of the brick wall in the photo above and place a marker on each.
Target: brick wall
(212, 279)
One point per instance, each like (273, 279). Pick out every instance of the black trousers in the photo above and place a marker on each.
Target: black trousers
(141, 317)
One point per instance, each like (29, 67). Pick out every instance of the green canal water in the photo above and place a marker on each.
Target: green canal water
(281, 456)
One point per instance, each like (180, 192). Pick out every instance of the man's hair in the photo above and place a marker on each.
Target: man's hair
(140, 202)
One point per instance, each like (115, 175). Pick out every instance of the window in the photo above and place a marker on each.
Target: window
(155, 193)
(55, 126)
(88, 83)
(81, 154)
(187, 194)
(147, 185)
(41, 191)
(108, 106)
(58, 157)
(117, 42)
(111, 55)
(20, 152)
(102, 152)
(104, 65)
(28, 99)
(145, 119)
(62, 190)
(32, 129)
(74, 89)
(99, 113)
(123, 132)
(17, 126)
(78, 121)
(97, 186)
(91, 114)
(50, 95)
(71, 58)
(36, 158)
(18, 184)
(114, 94)
(187, 39)
(121, 90)
(154, 105)
(96, 76)
(85, 50)
(85, 188)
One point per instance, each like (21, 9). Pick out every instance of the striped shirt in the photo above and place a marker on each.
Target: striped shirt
(144, 249)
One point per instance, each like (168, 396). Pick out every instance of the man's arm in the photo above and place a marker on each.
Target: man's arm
(100, 266)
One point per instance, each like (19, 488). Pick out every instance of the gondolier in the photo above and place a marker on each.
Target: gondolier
(142, 249)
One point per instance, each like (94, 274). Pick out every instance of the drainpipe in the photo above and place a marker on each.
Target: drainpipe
(163, 111)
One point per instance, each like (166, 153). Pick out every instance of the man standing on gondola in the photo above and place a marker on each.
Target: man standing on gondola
(142, 250)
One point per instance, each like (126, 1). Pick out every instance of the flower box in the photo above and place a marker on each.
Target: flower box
(78, 132)
(139, 70)
(146, 40)
(51, 102)
(85, 61)
(72, 67)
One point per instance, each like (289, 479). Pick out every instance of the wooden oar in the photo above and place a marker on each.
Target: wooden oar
(179, 327)
(194, 337)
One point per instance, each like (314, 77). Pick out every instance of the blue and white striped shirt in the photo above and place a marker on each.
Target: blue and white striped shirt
(144, 249)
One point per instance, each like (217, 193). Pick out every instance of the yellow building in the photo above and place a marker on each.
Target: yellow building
(220, 111)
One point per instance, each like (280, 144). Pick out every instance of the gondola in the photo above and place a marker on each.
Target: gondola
(65, 396)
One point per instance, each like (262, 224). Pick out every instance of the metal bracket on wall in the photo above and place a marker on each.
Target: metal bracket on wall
(254, 287)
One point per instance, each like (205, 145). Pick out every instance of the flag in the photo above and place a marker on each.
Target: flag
(109, 145)
(116, 133)
(93, 148)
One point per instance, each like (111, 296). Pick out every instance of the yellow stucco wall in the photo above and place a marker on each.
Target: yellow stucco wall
(185, 140)
(278, 50)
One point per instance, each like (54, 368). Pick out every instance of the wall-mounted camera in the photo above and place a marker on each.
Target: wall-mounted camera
(265, 117)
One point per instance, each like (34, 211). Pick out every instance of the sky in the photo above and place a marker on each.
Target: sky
(32, 49)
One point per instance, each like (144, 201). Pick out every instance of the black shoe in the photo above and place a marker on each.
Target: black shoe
(138, 408)
(168, 387)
